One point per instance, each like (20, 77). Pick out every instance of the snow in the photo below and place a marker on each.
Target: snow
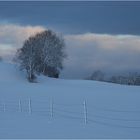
(113, 111)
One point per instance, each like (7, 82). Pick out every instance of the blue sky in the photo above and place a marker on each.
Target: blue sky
(99, 35)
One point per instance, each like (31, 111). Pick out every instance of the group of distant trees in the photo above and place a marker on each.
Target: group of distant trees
(127, 79)
(42, 53)
(97, 76)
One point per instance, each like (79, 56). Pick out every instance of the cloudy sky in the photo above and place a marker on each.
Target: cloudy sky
(98, 35)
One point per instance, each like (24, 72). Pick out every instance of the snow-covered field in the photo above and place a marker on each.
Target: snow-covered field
(53, 108)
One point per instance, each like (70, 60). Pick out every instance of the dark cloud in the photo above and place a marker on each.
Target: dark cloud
(112, 17)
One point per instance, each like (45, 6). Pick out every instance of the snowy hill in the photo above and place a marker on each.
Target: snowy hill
(53, 108)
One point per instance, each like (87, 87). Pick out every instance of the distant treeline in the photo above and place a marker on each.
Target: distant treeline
(126, 79)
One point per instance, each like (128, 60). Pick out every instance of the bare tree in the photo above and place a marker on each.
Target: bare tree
(97, 75)
(27, 58)
(52, 53)
(42, 53)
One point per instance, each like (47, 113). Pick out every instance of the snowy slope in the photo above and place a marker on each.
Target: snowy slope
(113, 111)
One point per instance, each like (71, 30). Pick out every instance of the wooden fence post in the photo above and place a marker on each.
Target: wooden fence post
(4, 106)
(51, 108)
(30, 106)
(19, 104)
(85, 112)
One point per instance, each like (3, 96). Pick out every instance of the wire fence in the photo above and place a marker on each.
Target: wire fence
(79, 112)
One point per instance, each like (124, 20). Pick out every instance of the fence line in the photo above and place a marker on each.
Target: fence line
(81, 112)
